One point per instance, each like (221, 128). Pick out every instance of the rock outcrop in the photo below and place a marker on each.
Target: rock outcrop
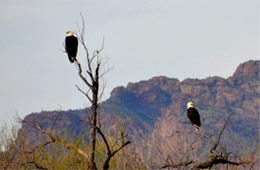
(147, 103)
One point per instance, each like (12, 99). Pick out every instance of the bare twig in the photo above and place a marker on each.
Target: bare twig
(219, 135)
(86, 94)
(55, 120)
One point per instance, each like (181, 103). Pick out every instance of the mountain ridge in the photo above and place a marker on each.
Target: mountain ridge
(145, 102)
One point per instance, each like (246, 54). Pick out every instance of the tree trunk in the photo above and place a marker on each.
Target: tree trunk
(93, 125)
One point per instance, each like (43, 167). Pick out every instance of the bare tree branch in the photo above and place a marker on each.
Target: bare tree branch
(219, 135)
(81, 76)
(176, 165)
(121, 147)
(36, 165)
(81, 35)
(105, 140)
(110, 151)
(213, 158)
(86, 94)
(106, 164)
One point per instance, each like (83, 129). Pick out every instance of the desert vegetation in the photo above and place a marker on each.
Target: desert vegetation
(181, 148)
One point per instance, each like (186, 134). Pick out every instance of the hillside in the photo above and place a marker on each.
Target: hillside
(154, 104)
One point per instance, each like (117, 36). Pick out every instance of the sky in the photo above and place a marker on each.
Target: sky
(142, 39)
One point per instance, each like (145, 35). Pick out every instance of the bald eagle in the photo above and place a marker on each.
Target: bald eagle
(193, 115)
(71, 46)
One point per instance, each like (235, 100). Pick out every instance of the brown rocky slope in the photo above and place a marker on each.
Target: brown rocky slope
(147, 103)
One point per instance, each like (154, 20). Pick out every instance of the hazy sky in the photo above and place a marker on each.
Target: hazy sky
(143, 39)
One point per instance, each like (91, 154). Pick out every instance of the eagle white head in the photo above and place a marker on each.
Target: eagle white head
(69, 33)
(189, 105)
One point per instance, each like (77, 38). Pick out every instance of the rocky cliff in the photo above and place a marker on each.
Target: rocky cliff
(148, 105)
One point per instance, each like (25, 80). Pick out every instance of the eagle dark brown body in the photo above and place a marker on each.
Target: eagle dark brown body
(71, 46)
(194, 116)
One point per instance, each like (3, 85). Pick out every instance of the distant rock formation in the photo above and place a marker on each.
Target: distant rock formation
(147, 104)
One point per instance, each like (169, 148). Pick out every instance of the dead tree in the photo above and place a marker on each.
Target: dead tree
(92, 81)
(213, 158)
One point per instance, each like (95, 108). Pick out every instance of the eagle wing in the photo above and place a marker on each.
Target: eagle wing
(71, 45)
(194, 116)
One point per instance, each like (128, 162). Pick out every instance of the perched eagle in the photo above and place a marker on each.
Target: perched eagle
(193, 115)
(71, 46)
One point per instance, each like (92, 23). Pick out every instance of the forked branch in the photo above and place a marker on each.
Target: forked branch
(216, 143)
(110, 150)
